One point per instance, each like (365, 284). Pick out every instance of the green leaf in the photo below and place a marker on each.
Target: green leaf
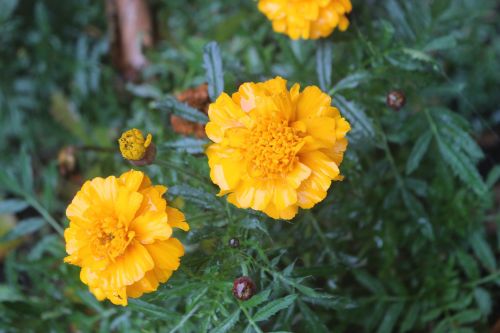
(212, 62)
(324, 63)
(12, 206)
(462, 167)
(410, 318)
(171, 104)
(493, 176)
(418, 152)
(356, 115)
(187, 144)
(467, 316)
(441, 43)
(482, 250)
(257, 299)
(9, 294)
(352, 81)
(311, 321)
(391, 316)
(196, 196)
(26, 170)
(369, 282)
(227, 324)
(483, 300)
(23, 228)
(456, 149)
(144, 90)
(65, 112)
(152, 310)
(468, 264)
(418, 55)
(273, 307)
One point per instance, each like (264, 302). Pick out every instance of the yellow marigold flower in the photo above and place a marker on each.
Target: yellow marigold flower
(307, 19)
(133, 146)
(275, 149)
(120, 234)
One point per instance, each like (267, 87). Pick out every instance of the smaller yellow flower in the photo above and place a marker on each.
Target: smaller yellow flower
(307, 19)
(133, 146)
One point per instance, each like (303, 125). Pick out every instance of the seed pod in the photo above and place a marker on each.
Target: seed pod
(243, 288)
(234, 243)
(396, 100)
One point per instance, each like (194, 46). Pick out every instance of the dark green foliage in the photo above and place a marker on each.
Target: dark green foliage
(408, 242)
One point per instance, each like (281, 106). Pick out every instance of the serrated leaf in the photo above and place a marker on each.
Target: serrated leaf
(257, 299)
(196, 196)
(483, 251)
(311, 320)
(227, 324)
(212, 62)
(23, 228)
(461, 165)
(324, 57)
(273, 307)
(391, 316)
(418, 152)
(151, 309)
(171, 104)
(12, 206)
(187, 144)
(356, 116)
(351, 81)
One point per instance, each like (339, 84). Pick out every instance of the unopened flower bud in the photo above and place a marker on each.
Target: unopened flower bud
(138, 150)
(396, 100)
(243, 288)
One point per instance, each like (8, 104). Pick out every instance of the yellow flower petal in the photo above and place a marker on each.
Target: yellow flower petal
(110, 220)
(306, 18)
(287, 155)
(151, 226)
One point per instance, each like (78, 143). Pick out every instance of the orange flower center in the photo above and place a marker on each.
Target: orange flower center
(272, 146)
(110, 238)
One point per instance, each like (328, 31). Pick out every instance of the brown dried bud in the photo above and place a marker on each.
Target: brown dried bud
(149, 156)
(234, 243)
(66, 160)
(196, 98)
(396, 100)
(243, 288)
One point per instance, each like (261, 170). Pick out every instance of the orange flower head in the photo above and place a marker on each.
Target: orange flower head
(120, 234)
(275, 149)
(307, 19)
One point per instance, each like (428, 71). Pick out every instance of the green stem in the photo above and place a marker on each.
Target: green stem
(182, 170)
(322, 237)
(46, 215)
(250, 319)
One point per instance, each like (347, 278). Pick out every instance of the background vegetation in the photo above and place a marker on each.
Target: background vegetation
(408, 242)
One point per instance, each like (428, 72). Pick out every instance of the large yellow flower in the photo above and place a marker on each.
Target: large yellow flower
(307, 19)
(120, 235)
(275, 149)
